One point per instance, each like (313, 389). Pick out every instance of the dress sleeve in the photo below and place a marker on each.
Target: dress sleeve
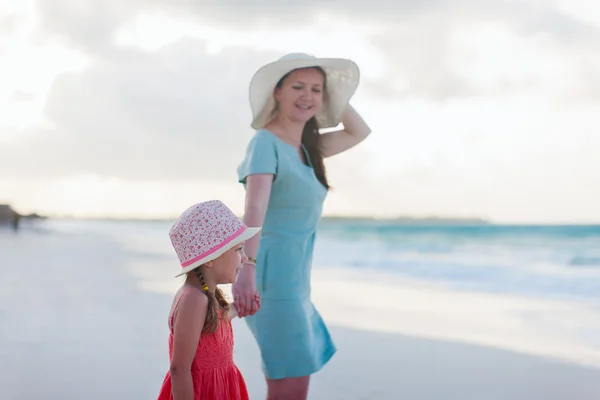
(261, 158)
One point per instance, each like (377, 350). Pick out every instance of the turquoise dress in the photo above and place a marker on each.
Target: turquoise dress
(290, 333)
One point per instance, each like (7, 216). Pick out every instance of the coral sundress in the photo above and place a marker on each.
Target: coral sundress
(214, 374)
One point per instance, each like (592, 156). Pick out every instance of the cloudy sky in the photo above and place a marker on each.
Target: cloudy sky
(138, 108)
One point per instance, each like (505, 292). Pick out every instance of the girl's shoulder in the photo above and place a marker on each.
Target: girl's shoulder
(191, 296)
(189, 300)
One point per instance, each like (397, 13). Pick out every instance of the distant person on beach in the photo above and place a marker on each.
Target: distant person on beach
(208, 239)
(16, 219)
(286, 185)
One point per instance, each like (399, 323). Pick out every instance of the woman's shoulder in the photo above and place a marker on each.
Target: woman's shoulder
(264, 136)
(263, 143)
(262, 156)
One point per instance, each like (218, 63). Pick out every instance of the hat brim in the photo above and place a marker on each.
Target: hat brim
(343, 77)
(247, 234)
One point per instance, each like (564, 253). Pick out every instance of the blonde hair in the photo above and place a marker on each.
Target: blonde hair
(216, 301)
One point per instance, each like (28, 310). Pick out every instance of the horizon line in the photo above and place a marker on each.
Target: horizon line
(418, 219)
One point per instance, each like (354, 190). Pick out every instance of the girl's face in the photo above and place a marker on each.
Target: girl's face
(301, 94)
(228, 265)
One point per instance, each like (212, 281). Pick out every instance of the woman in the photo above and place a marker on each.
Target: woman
(286, 184)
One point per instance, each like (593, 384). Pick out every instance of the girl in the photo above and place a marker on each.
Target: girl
(208, 240)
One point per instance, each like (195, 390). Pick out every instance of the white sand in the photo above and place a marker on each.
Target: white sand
(85, 318)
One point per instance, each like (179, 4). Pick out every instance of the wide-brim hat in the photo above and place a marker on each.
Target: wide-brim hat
(342, 77)
(205, 231)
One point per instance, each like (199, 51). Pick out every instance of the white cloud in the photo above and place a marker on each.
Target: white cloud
(176, 114)
(27, 67)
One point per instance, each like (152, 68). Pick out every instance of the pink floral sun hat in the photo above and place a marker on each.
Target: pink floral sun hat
(205, 231)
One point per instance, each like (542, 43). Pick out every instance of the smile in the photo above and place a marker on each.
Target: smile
(303, 107)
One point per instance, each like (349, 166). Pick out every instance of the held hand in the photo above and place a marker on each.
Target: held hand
(245, 296)
(233, 310)
(257, 298)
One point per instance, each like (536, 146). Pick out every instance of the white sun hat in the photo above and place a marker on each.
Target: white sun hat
(342, 77)
(205, 231)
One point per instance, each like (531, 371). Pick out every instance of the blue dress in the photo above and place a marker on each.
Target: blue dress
(290, 333)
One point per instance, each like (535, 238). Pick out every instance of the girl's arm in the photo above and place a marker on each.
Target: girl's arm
(187, 328)
(232, 312)
(355, 131)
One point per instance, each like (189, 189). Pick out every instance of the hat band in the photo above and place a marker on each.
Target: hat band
(217, 247)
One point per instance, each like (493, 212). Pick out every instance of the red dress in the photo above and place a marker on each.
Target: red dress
(214, 374)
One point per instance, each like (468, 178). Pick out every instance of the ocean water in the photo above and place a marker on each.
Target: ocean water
(550, 262)
(557, 262)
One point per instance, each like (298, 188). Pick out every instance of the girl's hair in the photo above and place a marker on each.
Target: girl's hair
(311, 138)
(216, 301)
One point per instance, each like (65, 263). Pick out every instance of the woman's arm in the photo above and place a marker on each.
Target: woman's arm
(355, 131)
(187, 328)
(258, 191)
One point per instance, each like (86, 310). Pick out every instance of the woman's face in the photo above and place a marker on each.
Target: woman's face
(301, 94)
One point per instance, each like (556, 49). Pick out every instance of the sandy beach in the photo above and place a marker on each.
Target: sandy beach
(83, 316)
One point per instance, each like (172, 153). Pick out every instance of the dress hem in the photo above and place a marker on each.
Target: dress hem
(328, 355)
